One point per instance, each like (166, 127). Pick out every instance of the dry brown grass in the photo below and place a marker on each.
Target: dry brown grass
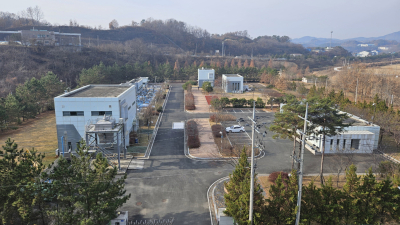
(39, 133)
(265, 183)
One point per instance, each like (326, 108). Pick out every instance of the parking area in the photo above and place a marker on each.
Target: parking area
(242, 110)
(263, 119)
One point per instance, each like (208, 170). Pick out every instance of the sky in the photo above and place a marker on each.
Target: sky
(294, 18)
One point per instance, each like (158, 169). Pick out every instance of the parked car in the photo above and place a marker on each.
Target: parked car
(240, 120)
(234, 129)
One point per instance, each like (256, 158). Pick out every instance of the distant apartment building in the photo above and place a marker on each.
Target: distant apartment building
(296, 55)
(366, 45)
(205, 75)
(363, 54)
(383, 48)
(47, 38)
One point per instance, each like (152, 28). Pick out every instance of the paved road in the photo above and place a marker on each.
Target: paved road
(174, 186)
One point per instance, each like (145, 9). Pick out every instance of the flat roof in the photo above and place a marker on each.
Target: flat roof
(232, 75)
(99, 91)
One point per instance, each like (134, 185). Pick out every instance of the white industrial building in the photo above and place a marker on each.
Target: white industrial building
(205, 75)
(95, 108)
(232, 83)
(361, 137)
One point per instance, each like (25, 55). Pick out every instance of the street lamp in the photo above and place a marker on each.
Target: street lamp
(222, 136)
(272, 103)
(373, 117)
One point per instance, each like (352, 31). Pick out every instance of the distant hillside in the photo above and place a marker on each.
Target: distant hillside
(308, 41)
(390, 40)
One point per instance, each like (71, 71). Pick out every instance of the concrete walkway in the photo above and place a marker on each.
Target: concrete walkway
(207, 149)
(200, 102)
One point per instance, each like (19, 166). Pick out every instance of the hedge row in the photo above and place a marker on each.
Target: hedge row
(216, 128)
(193, 134)
(189, 102)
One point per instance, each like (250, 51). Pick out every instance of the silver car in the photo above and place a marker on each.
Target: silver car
(234, 129)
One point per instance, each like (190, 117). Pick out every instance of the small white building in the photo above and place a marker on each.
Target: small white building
(205, 75)
(307, 80)
(77, 110)
(232, 83)
(120, 219)
(361, 137)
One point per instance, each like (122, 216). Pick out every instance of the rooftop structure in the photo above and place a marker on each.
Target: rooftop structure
(99, 91)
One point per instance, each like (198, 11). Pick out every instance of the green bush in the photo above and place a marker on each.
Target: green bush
(207, 87)
(159, 108)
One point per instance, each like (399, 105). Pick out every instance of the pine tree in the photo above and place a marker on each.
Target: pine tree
(233, 63)
(246, 64)
(367, 200)
(18, 169)
(202, 64)
(282, 201)
(330, 210)
(270, 63)
(238, 197)
(252, 64)
(87, 190)
(322, 114)
(311, 202)
(349, 189)
(287, 123)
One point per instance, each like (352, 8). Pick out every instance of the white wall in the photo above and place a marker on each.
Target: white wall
(83, 104)
(206, 74)
(89, 104)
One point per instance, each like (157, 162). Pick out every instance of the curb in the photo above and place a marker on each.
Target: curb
(213, 185)
(189, 156)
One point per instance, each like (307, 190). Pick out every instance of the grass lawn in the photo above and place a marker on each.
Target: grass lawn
(39, 133)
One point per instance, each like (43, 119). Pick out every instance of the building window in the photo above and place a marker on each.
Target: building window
(331, 144)
(355, 144)
(344, 144)
(337, 144)
(69, 145)
(101, 113)
(73, 113)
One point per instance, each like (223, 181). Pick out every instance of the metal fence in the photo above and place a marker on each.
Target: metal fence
(153, 137)
(153, 221)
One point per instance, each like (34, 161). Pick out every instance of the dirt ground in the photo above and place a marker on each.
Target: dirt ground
(207, 149)
(39, 133)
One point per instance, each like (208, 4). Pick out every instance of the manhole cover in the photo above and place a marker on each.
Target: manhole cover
(165, 200)
(138, 203)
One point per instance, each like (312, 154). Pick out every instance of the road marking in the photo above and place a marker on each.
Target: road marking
(242, 111)
(136, 164)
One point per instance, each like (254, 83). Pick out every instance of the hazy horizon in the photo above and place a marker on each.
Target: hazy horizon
(358, 18)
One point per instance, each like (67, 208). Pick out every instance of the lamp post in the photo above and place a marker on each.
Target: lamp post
(222, 136)
(373, 118)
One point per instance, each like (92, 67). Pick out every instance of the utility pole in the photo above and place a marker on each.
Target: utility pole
(222, 49)
(301, 168)
(356, 91)
(252, 165)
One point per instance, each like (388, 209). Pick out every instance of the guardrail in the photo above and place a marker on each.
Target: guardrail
(153, 136)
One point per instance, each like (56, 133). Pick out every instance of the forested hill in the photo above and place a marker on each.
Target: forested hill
(172, 36)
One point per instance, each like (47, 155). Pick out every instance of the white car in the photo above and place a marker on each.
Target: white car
(235, 129)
